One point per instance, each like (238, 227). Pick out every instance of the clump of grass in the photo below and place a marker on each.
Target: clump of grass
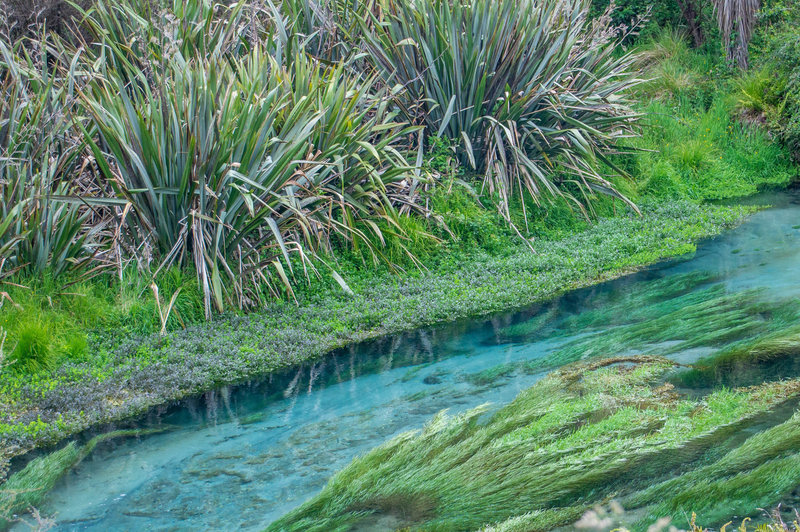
(668, 44)
(669, 79)
(755, 91)
(694, 156)
(33, 351)
(40, 162)
(515, 136)
(27, 488)
(490, 376)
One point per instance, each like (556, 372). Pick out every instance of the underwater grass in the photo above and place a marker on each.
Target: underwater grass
(610, 308)
(731, 364)
(27, 488)
(757, 474)
(583, 433)
(690, 314)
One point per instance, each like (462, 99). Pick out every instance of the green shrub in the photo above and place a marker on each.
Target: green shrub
(667, 44)
(669, 79)
(694, 155)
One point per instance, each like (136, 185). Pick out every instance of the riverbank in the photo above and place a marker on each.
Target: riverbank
(140, 373)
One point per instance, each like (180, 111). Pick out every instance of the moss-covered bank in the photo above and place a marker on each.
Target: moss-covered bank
(143, 372)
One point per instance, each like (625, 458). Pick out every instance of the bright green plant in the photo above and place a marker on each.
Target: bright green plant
(530, 90)
(28, 487)
(668, 43)
(668, 79)
(33, 350)
(756, 91)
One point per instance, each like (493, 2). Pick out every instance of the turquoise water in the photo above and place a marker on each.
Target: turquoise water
(237, 458)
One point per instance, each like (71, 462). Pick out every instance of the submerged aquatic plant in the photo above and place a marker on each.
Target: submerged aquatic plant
(666, 317)
(733, 362)
(581, 434)
(127, 374)
(26, 489)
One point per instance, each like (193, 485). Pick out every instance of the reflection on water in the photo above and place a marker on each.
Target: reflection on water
(239, 458)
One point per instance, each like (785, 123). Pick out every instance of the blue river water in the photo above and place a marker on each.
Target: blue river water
(239, 457)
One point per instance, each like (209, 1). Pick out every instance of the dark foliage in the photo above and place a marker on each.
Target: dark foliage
(28, 17)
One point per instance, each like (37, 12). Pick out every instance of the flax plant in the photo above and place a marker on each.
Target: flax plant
(40, 162)
(239, 165)
(532, 90)
(331, 29)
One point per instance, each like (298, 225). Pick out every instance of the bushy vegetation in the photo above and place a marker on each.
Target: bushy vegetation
(531, 95)
(206, 137)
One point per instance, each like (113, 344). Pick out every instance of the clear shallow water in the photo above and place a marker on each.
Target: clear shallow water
(240, 457)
